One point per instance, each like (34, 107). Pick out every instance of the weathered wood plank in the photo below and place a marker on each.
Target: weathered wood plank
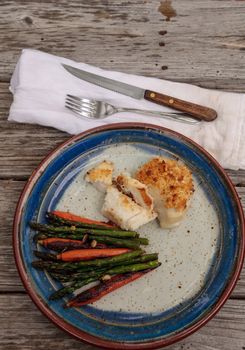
(34, 142)
(9, 279)
(241, 194)
(24, 327)
(203, 44)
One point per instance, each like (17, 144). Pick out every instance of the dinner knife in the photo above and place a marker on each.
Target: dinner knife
(195, 110)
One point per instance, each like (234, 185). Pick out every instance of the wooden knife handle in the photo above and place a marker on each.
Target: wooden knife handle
(197, 111)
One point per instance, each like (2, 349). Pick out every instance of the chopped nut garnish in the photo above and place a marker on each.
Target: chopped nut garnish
(93, 243)
(106, 278)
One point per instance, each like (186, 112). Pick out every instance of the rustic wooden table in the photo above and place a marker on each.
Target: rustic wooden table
(196, 41)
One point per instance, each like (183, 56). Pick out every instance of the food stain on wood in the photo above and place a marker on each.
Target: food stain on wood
(167, 10)
(28, 20)
(162, 32)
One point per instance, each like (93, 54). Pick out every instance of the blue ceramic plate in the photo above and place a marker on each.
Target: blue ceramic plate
(201, 259)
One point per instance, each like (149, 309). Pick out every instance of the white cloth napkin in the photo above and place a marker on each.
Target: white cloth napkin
(40, 83)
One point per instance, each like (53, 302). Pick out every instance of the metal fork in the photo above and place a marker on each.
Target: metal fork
(93, 109)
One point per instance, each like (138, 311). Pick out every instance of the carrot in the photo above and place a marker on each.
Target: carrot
(60, 244)
(95, 293)
(80, 219)
(89, 254)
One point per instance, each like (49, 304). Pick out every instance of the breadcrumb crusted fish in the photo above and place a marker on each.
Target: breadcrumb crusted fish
(101, 175)
(124, 211)
(170, 184)
(134, 189)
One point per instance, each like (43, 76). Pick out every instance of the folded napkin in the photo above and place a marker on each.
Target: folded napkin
(40, 83)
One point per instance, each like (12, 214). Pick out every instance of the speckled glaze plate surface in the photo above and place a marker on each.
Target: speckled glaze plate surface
(201, 259)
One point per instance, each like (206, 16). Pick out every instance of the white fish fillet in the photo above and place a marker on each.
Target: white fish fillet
(101, 175)
(123, 210)
(170, 184)
(135, 189)
(168, 217)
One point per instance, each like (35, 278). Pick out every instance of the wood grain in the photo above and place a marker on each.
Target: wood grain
(203, 44)
(24, 327)
(198, 111)
(200, 42)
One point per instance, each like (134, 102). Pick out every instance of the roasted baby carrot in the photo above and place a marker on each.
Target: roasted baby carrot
(61, 244)
(101, 240)
(85, 265)
(95, 293)
(89, 254)
(73, 219)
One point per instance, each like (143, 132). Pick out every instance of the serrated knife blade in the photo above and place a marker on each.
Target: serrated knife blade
(110, 84)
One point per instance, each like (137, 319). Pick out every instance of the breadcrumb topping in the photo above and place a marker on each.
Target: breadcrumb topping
(172, 179)
(103, 172)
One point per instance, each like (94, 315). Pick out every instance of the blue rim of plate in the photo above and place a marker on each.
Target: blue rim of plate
(158, 331)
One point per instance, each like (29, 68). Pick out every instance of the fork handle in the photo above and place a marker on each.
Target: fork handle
(197, 111)
(176, 116)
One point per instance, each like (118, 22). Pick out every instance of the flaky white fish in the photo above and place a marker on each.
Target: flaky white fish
(124, 211)
(101, 175)
(135, 189)
(170, 184)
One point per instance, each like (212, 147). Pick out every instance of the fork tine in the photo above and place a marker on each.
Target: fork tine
(87, 109)
(73, 100)
(73, 103)
(71, 106)
(82, 111)
(81, 100)
(82, 114)
(73, 97)
(81, 103)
